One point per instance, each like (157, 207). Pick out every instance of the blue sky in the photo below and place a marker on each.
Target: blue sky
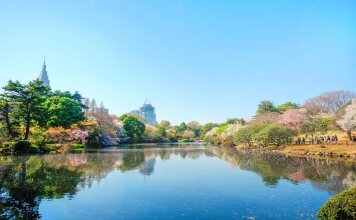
(194, 60)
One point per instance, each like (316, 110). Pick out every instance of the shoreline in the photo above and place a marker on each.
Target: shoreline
(343, 152)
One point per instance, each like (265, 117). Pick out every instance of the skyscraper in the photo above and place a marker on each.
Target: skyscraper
(43, 75)
(147, 112)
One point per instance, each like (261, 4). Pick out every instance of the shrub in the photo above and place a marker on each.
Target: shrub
(341, 206)
(245, 135)
(77, 148)
(274, 135)
(24, 146)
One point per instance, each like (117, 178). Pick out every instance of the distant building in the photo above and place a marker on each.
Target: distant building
(43, 75)
(147, 112)
(93, 108)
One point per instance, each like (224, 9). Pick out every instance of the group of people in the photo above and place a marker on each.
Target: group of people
(317, 140)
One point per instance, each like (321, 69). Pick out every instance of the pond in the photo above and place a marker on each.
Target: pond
(189, 181)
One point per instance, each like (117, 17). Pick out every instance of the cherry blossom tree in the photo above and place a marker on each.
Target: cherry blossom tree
(293, 118)
(78, 135)
(348, 121)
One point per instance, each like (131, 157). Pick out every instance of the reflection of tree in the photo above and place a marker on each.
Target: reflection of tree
(331, 176)
(132, 160)
(28, 180)
(25, 181)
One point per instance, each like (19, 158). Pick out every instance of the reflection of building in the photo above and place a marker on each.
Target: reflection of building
(43, 75)
(148, 167)
(147, 112)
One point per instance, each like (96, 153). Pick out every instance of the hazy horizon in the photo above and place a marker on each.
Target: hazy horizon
(198, 60)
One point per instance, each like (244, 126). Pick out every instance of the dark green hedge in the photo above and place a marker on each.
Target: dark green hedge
(342, 206)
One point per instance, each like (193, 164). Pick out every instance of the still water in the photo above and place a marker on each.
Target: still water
(169, 182)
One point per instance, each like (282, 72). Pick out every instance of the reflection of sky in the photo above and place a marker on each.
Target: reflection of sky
(187, 186)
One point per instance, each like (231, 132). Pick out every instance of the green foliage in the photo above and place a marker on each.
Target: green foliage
(207, 127)
(182, 127)
(28, 101)
(288, 105)
(341, 206)
(24, 146)
(161, 131)
(165, 124)
(77, 148)
(133, 126)
(63, 112)
(266, 106)
(236, 120)
(131, 160)
(246, 134)
(314, 125)
(222, 128)
(274, 135)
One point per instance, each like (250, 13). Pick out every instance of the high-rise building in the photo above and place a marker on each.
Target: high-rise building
(43, 75)
(147, 112)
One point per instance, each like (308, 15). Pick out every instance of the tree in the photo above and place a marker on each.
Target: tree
(207, 127)
(329, 102)
(105, 124)
(265, 118)
(266, 106)
(348, 121)
(87, 104)
(5, 110)
(188, 134)
(274, 135)
(246, 134)
(313, 125)
(133, 126)
(161, 131)
(195, 127)
(236, 120)
(93, 105)
(293, 118)
(78, 135)
(28, 99)
(165, 124)
(286, 106)
(63, 112)
(58, 135)
(180, 128)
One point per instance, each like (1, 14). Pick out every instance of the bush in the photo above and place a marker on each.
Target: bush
(274, 135)
(77, 148)
(341, 206)
(6, 148)
(245, 135)
(24, 146)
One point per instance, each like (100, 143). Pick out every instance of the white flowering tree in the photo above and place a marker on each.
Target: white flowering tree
(231, 130)
(348, 121)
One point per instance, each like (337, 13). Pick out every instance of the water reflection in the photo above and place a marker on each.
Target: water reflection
(328, 175)
(26, 181)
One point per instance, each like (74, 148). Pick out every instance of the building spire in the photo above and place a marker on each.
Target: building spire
(43, 74)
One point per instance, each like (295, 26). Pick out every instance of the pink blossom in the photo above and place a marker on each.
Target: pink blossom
(293, 118)
(78, 135)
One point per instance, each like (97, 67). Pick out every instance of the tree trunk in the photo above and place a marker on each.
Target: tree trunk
(349, 134)
(28, 121)
(7, 120)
